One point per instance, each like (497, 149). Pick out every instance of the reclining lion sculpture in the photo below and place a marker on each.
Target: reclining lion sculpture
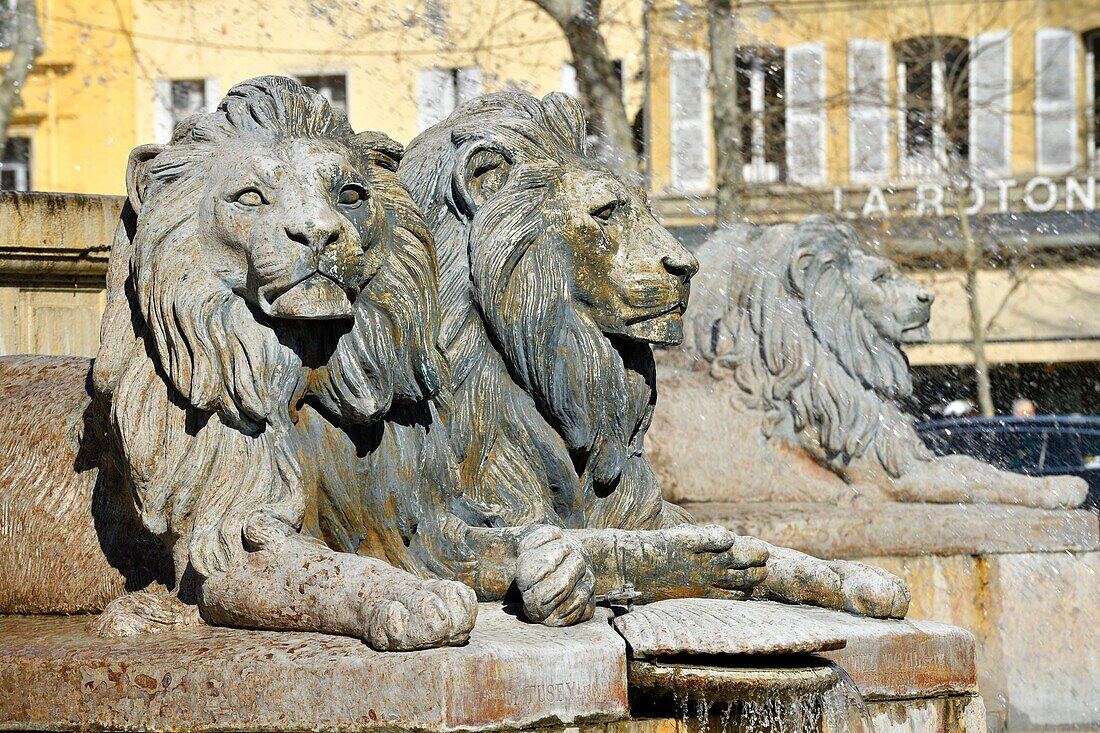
(267, 364)
(555, 282)
(801, 331)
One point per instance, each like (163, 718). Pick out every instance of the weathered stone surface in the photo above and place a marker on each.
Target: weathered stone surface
(897, 529)
(56, 675)
(886, 659)
(1036, 617)
(52, 234)
(901, 659)
(711, 626)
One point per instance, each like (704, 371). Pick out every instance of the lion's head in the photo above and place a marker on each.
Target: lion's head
(556, 278)
(811, 324)
(268, 256)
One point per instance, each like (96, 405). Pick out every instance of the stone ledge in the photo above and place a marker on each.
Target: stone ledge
(886, 659)
(55, 675)
(906, 529)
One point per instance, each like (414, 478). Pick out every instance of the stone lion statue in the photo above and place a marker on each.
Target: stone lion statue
(802, 329)
(264, 382)
(556, 280)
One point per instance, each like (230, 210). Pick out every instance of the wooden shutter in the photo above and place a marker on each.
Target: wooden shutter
(689, 121)
(162, 110)
(1055, 100)
(568, 83)
(435, 95)
(990, 92)
(211, 93)
(467, 84)
(804, 88)
(868, 112)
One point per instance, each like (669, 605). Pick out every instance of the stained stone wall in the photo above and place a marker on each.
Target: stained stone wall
(53, 260)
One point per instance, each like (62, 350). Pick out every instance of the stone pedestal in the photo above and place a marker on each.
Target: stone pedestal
(1026, 582)
(54, 675)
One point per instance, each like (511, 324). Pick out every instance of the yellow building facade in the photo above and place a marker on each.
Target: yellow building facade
(844, 97)
(118, 73)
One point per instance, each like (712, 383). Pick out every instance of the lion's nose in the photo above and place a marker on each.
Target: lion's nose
(315, 235)
(681, 263)
(925, 296)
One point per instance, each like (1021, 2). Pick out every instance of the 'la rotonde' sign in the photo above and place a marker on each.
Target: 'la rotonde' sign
(1038, 195)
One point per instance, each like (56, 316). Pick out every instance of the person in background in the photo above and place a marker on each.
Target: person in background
(1023, 407)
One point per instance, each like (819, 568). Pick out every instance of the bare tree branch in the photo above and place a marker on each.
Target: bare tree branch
(25, 50)
(599, 84)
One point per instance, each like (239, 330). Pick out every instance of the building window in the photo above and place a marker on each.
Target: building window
(760, 82)
(1056, 101)
(7, 23)
(178, 99)
(569, 85)
(15, 167)
(1092, 89)
(333, 87)
(933, 78)
(440, 90)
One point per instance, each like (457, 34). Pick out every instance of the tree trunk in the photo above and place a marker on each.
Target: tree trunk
(725, 115)
(972, 256)
(24, 52)
(600, 87)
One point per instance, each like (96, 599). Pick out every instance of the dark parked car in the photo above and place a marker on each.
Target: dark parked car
(1038, 446)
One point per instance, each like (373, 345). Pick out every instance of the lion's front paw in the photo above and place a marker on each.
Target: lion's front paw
(554, 576)
(720, 560)
(143, 613)
(420, 616)
(1063, 492)
(794, 577)
(871, 591)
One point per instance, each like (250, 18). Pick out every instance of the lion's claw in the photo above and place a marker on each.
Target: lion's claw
(871, 591)
(433, 613)
(555, 578)
(794, 577)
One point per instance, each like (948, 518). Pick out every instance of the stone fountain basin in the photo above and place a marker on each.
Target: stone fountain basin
(744, 679)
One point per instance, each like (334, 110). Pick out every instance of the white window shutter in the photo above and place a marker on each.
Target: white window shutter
(689, 111)
(435, 96)
(162, 110)
(468, 84)
(804, 88)
(568, 83)
(868, 112)
(1055, 100)
(990, 105)
(211, 93)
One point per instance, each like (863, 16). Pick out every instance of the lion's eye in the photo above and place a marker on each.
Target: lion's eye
(881, 277)
(604, 213)
(352, 195)
(250, 197)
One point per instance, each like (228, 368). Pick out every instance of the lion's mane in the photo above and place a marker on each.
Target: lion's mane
(203, 392)
(548, 413)
(774, 309)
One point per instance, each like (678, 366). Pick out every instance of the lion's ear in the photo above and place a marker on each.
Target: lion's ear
(380, 149)
(800, 263)
(137, 172)
(484, 172)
